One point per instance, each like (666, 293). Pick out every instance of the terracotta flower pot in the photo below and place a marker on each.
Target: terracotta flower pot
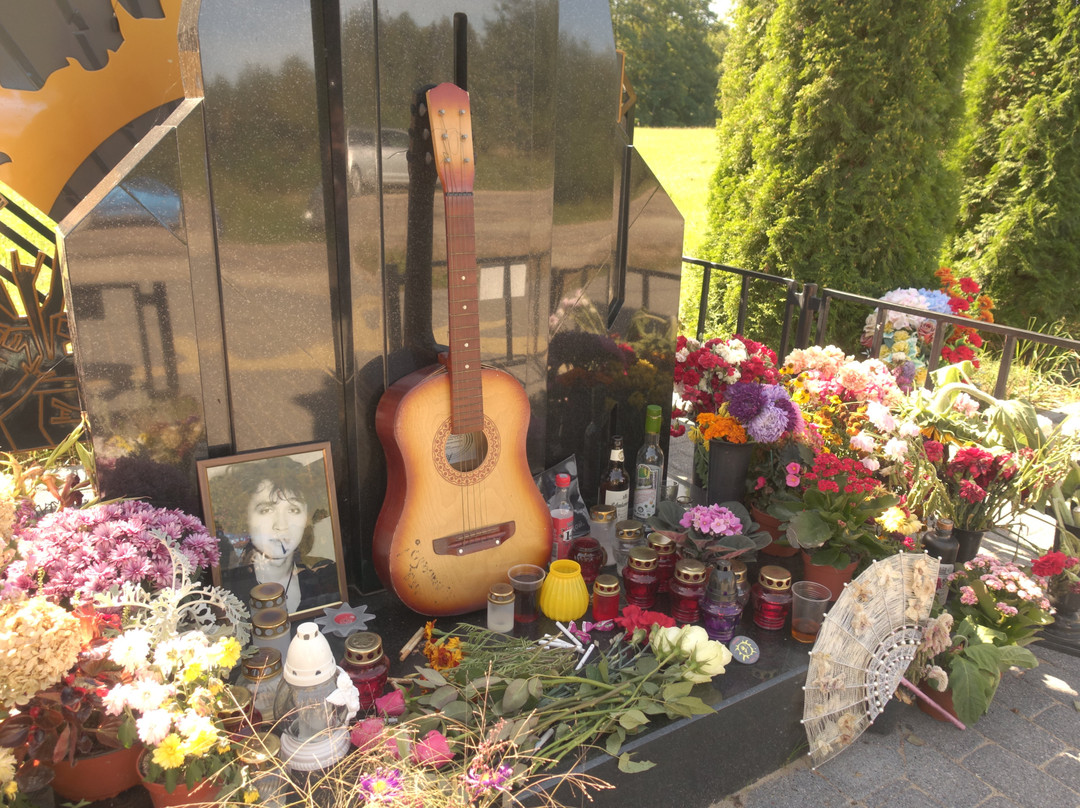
(203, 792)
(771, 525)
(942, 698)
(827, 575)
(97, 777)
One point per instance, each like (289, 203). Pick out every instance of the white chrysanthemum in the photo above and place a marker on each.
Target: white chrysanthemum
(153, 726)
(733, 353)
(131, 650)
(880, 416)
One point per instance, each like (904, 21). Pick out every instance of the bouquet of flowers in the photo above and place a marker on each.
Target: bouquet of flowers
(831, 514)
(173, 702)
(1059, 573)
(965, 299)
(833, 391)
(73, 554)
(704, 372)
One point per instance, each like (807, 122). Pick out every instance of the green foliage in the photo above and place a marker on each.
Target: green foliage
(834, 120)
(1019, 225)
(976, 668)
(670, 59)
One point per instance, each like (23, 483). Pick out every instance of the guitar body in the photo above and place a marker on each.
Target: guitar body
(452, 526)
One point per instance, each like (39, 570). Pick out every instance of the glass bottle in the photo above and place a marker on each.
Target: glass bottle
(270, 629)
(771, 597)
(687, 589)
(615, 482)
(602, 528)
(665, 558)
(366, 665)
(605, 598)
(589, 555)
(649, 472)
(500, 608)
(942, 545)
(261, 674)
(629, 534)
(640, 578)
(742, 581)
(721, 609)
(562, 518)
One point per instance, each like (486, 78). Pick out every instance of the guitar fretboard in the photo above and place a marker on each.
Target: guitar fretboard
(467, 401)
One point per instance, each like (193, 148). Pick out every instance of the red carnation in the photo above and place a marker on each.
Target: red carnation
(969, 287)
(1049, 565)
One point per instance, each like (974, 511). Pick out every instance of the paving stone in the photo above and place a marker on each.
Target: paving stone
(1027, 691)
(952, 742)
(1018, 779)
(796, 787)
(951, 782)
(865, 766)
(997, 801)
(1066, 768)
(1062, 720)
(909, 797)
(1019, 735)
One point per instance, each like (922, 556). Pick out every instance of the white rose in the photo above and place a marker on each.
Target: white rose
(663, 640)
(690, 638)
(710, 658)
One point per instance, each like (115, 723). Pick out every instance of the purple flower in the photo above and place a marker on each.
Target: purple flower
(744, 401)
(382, 787)
(769, 425)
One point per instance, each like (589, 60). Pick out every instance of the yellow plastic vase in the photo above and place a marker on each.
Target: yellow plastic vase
(564, 596)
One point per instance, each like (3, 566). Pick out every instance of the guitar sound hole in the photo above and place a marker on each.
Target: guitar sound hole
(466, 452)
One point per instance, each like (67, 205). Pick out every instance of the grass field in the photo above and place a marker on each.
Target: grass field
(683, 160)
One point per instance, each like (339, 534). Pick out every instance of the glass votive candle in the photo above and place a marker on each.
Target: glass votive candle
(500, 608)
(640, 578)
(665, 558)
(589, 555)
(687, 589)
(771, 597)
(629, 533)
(605, 598)
(366, 665)
(742, 582)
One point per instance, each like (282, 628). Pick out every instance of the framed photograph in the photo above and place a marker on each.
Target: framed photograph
(274, 513)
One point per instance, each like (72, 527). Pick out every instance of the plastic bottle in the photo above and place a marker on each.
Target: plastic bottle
(649, 473)
(562, 518)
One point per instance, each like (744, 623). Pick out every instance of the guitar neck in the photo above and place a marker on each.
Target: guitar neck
(467, 401)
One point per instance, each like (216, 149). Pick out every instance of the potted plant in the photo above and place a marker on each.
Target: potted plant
(1059, 574)
(830, 516)
(720, 531)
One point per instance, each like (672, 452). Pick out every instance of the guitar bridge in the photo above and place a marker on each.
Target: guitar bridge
(473, 541)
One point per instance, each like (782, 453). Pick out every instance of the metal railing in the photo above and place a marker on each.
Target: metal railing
(806, 300)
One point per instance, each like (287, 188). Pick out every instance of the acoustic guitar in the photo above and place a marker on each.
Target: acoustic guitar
(461, 506)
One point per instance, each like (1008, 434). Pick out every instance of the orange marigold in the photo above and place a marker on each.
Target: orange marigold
(723, 427)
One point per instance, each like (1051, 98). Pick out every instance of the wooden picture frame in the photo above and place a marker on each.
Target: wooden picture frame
(271, 506)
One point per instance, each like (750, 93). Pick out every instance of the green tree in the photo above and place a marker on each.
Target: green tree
(834, 120)
(1019, 224)
(670, 59)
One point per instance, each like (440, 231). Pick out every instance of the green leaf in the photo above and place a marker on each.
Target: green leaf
(695, 705)
(808, 529)
(536, 688)
(987, 657)
(442, 697)
(615, 741)
(646, 665)
(126, 732)
(456, 711)
(516, 696)
(430, 677)
(605, 676)
(1014, 655)
(969, 687)
(632, 719)
(675, 690)
(651, 706)
(628, 766)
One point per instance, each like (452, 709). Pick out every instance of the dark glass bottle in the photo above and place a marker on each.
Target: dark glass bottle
(615, 482)
(942, 545)
(721, 609)
(687, 589)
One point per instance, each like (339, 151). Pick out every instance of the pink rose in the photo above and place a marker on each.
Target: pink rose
(433, 750)
(391, 704)
(366, 732)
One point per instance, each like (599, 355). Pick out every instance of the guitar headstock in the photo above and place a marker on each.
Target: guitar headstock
(451, 137)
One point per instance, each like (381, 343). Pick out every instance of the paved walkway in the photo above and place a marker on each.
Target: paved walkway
(1024, 752)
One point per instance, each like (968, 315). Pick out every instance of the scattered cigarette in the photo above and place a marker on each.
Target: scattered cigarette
(543, 739)
(573, 639)
(410, 646)
(585, 656)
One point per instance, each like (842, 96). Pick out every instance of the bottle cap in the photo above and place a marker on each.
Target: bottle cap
(364, 647)
(642, 558)
(265, 596)
(263, 664)
(653, 418)
(775, 577)
(738, 569)
(606, 585)
(690, 571)
(501, 593)
(602, 513)
(629, 528)
(269, 621)
(663, 545)
(944, 526)
(562, 480)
